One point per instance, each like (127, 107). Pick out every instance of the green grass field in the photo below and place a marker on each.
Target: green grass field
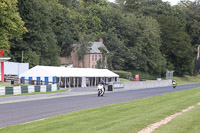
(122, 79)
(180, 80)
(187, 79)
(128, 117)
(187, 123)
(8, 84)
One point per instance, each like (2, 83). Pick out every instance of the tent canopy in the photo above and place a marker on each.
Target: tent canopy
(50, 71)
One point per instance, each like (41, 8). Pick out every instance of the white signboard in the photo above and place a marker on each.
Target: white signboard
(117, 85)
(14, 68)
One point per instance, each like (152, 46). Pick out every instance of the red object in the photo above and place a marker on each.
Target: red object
(1, 52)
(137, 77)
(2, 71)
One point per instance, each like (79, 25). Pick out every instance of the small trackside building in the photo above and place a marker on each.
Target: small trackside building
(68, 77)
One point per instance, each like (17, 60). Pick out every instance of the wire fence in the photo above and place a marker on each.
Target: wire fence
(169, 75)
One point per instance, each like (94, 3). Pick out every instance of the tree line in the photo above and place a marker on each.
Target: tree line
(145, 35)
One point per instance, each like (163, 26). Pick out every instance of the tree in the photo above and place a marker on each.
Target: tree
(193, 22)
(63, 27)
(176, 45)
(173, 35)
(142, 35)
(119, 57)
(40, 39)
(84, 44)
(69, 3)
(11, 24)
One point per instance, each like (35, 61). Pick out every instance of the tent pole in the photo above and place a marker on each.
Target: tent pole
(80, 80)
(65, 82)
(74, 81)
(69, 83)
(95, 82)
(77, 82)
(60, 81)
(92, 82)
(89, 82)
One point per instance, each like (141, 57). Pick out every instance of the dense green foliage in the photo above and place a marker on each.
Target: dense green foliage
(149, 36)
(123, 74)
(11, 24)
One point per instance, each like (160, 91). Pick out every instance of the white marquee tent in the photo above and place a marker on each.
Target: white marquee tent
(75, 74)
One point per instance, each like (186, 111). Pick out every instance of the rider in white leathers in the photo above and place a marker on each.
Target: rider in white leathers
(101, 88)
(103, 83)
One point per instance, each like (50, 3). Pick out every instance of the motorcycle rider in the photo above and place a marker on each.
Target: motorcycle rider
(103, 83)
(174, 83)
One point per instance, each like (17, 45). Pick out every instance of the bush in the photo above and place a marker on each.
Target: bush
(145, 75)
(132, 73)
(123, 74)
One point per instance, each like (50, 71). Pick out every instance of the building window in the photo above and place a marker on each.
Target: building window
(92, 57)
(95, 57)
(99, 57)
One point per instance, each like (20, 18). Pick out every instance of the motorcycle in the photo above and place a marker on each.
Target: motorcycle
(174, 85)
(101, 90)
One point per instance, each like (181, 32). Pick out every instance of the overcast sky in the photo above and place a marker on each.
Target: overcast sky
(173, 2)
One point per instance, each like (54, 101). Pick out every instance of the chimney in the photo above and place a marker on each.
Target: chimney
(101, 40)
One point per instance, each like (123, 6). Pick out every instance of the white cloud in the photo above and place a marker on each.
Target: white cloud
(173, 2)
(111, 0)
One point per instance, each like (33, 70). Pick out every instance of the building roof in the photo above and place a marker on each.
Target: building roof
(95, 47)
(51, 71)
(2, 59)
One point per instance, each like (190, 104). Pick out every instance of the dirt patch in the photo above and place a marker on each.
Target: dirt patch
(153, 126)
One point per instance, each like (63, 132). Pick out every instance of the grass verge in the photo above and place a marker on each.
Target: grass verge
(122, 79)
(186, 123)
(187, 79)
(128, 117)
(8, 84)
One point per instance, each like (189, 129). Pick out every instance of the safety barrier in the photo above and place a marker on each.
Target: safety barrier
(28, 89)
(146, 84)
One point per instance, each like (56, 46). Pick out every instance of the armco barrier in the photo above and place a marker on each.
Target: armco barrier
(31, 89)
(24, 89)
(17, 90)
(9, 90)
(146, 84)
(28, 89)
(43, 88)
(48, 88)
(2, 91)
(55, 87)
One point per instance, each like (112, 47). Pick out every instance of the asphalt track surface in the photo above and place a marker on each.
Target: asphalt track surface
(27, 111)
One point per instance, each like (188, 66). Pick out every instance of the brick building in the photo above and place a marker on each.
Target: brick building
(89, 60)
